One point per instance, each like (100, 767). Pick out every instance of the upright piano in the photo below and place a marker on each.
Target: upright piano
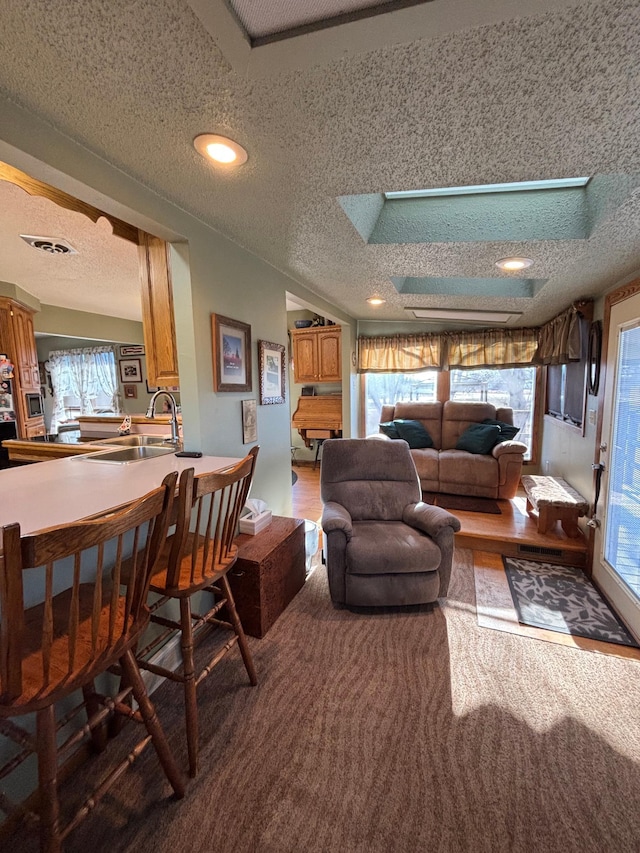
(317, 418)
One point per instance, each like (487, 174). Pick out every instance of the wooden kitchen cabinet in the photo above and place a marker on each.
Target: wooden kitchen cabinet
(157, 311)
(26, 355)
(317, 354)
(18, 341)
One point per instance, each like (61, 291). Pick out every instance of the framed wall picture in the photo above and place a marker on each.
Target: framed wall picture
(271, 368)
(131, 349)
(249, 421)
(130, 392)
(231, 354)
(130, 370)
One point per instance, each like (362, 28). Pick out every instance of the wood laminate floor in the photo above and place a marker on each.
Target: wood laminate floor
(490, 536)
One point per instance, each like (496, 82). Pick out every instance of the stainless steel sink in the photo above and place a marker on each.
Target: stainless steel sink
(138, 441)
(125, 455)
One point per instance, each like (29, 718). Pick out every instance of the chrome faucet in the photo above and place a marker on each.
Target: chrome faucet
(173, 408)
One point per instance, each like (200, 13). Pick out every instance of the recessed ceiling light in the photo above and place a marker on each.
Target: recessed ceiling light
(220, 149)
(511, 264)
(376, 300)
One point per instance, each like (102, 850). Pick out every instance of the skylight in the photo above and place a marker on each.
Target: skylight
(520, 186)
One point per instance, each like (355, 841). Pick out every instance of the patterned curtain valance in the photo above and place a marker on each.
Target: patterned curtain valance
(399, 353)
(491, 347)
(560, 339)
(557, 342)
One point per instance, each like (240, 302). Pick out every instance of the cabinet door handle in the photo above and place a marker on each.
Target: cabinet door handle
(238, 574)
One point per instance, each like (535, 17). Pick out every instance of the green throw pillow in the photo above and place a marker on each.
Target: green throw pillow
(507, 431)
(389, 429)
(479, 438)
(413, 433)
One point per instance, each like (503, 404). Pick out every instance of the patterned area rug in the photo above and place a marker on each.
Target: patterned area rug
(462, 503)
(561, 598)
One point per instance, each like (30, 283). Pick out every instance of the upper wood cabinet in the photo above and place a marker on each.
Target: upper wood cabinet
(157, 311)
(26, 356)
(317, 354)
(18, 341)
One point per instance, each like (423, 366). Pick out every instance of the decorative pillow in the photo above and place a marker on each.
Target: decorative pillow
(413, 433)
(479, 438)
(507, 431)
(389, 429)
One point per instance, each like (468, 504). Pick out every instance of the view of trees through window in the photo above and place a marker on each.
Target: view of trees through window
(385, 389)
(513, 387)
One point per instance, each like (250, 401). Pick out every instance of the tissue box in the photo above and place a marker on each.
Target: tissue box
(253, 524)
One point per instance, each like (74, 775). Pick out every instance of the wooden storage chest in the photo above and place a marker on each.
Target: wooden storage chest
(270, 570)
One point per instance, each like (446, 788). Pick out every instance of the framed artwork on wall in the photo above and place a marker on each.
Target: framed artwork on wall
(271, 368)
(249, 421)
(131, 349)
(130, 370)
(231, 354)
(130, 392)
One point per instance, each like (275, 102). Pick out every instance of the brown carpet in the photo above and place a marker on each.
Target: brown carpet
(463, 503)
(399, 732)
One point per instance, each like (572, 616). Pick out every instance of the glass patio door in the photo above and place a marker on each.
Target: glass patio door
(617, 555)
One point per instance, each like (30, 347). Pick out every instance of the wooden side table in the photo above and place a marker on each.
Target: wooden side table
(270, 570)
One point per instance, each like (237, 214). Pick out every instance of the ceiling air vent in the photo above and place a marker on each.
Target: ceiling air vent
(52, 245)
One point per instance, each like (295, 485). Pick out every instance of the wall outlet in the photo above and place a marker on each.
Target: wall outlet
(592, 416)
(546, 466)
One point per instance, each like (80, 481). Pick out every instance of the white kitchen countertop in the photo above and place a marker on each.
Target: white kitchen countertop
(47, 494)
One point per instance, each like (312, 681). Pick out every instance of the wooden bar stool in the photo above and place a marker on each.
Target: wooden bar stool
(62, 644)
(197, 557)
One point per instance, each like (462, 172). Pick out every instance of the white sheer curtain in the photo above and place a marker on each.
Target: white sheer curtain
(82, 374)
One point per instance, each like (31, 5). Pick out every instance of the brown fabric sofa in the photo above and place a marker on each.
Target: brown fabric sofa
(442, 468)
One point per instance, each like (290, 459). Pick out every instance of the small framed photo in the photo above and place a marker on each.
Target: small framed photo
(151, 389)
(131, 349)
(231, 354)
(249, 421)
(271, 368)
(130, 370)
(130, 392)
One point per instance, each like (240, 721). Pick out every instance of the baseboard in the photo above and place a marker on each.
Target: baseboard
(560, 555)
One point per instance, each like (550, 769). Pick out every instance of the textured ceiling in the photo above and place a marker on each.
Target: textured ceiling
(548, 95)
(103, 276)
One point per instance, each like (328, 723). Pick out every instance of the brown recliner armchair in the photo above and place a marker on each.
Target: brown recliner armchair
(384, 546)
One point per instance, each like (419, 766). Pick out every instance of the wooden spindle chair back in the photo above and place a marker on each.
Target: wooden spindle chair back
(197, 557)
(209, 508)
(89, 616)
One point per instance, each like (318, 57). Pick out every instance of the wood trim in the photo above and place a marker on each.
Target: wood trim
(158, 318)
(538, 415)
(443, 389)
(34, 187)
(611, 299)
